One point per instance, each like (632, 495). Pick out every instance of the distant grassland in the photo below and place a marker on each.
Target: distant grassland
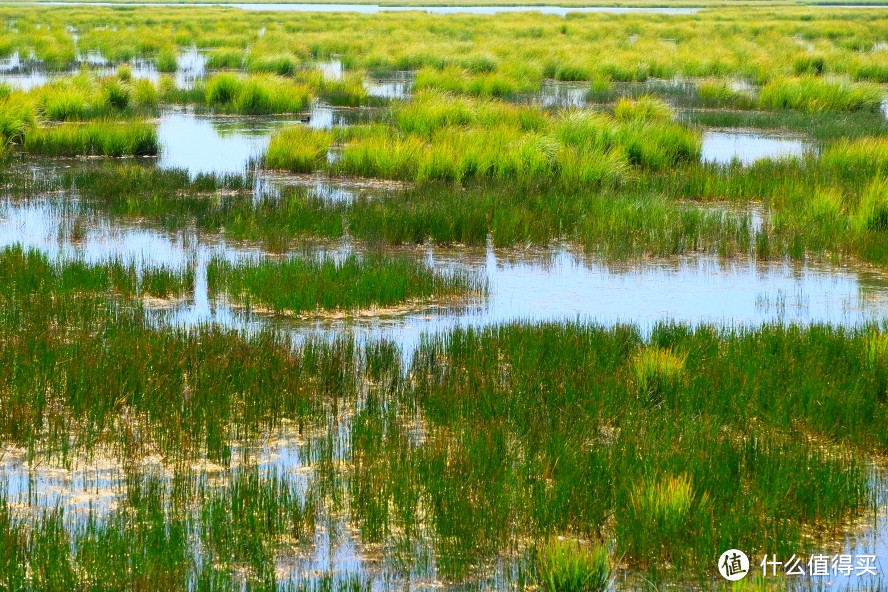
(422, 3)
(756, 43)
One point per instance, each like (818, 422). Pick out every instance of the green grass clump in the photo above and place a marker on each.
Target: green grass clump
(718, 93)
(300, 285)
(256, 95)
(298, 149)
(31, 270)
(167, 61)
(646, 108)
(657, 372)
(225, 58)
(857, 159)
(813, 94)
(661, 511)
(349, 92)
(222, 89)
(18, 117)
(872, 209)
(456, 80)
(447, 138)
(93, 139)
(281, 64)
(567, 566)
(83, 97)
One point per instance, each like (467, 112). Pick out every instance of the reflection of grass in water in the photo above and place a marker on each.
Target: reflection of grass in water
(813, 207)
(820, 126)
(488, 441)
(305, 285)
(212, 202)
(33, 271)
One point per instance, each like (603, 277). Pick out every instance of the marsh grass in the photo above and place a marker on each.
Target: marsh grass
(298, 149)
(69, 317)
(611, 224)
(658, 373)
(213, 203)
(17, 118)
(588, 452)
(256, 95)
(821, 126)
(813, 94)
(348, 92)
(180, 533)
(93, 139)
(167, 61)
(29, 270)
(485, 84)
(719, 93)
(568, 566)
(84, 97)
(305, 285)
(442, 138)
(645, 108)
(484, 439)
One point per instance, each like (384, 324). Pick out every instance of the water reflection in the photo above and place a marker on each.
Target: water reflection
(723, 147)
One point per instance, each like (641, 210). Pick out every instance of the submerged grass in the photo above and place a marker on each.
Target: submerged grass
(27, 271)
(304, 285)
(212, 203)
(489, 440)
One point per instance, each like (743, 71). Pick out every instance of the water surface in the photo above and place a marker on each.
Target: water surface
(723, 147)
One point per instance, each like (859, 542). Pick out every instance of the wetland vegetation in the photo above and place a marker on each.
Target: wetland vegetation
(286, 442)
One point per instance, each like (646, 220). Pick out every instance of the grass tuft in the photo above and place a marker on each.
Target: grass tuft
(568, 566)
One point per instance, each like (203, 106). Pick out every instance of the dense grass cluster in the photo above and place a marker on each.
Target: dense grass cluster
(256, 95)
(440, 137)
(93, 139)
(304, 285)
(83, 97)
(25, 272)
